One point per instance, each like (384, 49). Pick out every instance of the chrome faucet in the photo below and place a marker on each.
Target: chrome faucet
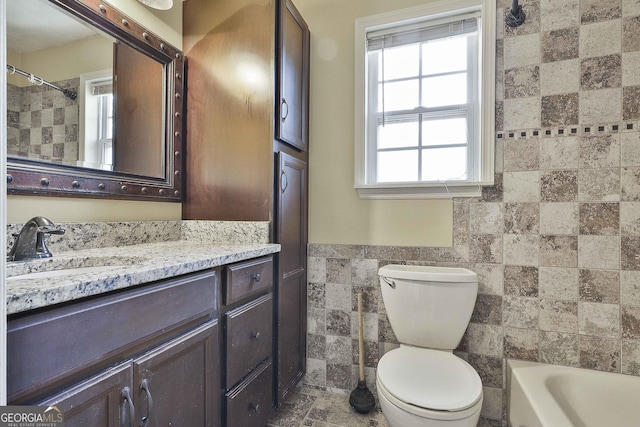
(29, 243)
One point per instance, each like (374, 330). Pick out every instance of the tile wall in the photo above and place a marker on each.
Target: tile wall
(556, 242)
(42, 123)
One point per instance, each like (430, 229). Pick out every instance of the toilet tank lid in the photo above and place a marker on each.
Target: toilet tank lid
(428, 273)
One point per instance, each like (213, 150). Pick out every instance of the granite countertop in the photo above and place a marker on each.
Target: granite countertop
(125, 266)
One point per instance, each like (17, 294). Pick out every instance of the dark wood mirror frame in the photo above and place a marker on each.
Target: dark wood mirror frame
(35, 177)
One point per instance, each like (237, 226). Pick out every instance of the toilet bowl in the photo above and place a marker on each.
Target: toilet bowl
(422, 383)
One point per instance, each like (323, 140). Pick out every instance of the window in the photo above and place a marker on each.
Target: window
(96, 113)
(425, 101)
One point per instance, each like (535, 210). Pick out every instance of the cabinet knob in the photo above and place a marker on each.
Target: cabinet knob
(284, 110)
(256, 277)
(256, 336)
(255, 408)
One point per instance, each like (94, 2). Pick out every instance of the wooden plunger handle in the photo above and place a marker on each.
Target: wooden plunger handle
(360, 341)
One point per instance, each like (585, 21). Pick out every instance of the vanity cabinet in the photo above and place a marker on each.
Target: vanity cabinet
(129, 357)
(248, 342)
(248, 103)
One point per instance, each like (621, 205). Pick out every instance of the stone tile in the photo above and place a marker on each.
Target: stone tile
(559, 218)
(559, 283)
(492, 403)
(599, 10)
(630, 148)
(631, 39)
(630, 321)
(532, 8)
(630, 287)
(486, 248)
(520, 312)
(596, 319)
(558, 348)
(521, 154)
(521, 218)
(601, 252)
(601, 72)
(485, 339)
(630, 63)
(556, 14)
(521, 113)
(558, 251)
(336, 251)
(490, 278)
(630, 183)
(488, 309)
(601, 38)
(521, 186)
(338, 270)
(317, 346)
(338, 296)
(630, 8)
(338, 323)
(560, 77)
(520, 281)
(521, 249)
(560, 45)
(601, 106)
(600, 286)
(339, 376)
(371, 299)
(521, 344)
(521, 50)
(599, 353)
(485, 218)
(316, 321)
(560, 153)
(385, 331)
(293, 410)
(600, 218)
(489, 368)
(370, 325)
(316, 373)
(391, 253)
(559, 110)
(559, 186)
(600, 184)
(522, 82)
(630, 252)
(364, 272)
(630, 357)
(371, 353)
(558, 316)
(600, 151)
(315, 295)
(631, 103)
(338, 349)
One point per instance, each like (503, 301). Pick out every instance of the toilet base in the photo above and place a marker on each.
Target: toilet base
(397, 417)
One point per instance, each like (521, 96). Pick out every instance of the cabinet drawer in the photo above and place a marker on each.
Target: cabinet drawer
(247, 278)
(249, 404)
(249, 337)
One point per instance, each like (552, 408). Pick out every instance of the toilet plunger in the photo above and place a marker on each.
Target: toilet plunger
(361, 398)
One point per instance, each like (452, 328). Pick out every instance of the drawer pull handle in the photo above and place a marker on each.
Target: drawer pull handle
(256, 277)
(256, 336)
(126, 395)
(144, 385)
(255, 408)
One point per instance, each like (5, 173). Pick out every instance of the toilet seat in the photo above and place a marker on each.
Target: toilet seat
(424, 379)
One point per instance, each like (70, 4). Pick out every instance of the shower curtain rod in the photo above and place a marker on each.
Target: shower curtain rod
(39, 81)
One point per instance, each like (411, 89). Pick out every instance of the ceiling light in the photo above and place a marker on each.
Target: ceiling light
(158, 4)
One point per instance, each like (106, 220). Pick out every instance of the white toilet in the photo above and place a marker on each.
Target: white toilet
(422, 383)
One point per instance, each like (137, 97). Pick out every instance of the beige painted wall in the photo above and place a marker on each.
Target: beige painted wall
(168, 25)
(336, 213)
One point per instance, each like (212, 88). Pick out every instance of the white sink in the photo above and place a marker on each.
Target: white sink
(64, 272)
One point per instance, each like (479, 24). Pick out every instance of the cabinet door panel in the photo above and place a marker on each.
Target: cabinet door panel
(180, 380)
(98, 401)
(292, 117)
(292, 214)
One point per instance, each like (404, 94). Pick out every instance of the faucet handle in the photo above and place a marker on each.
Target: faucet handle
(50, 229)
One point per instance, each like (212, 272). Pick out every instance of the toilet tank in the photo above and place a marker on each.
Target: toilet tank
(428, 306)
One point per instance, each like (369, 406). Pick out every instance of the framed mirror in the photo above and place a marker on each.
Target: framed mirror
(95, 103)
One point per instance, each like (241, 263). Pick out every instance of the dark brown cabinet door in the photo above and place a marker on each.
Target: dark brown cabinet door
(293, 79)
(291, 229)
(174, 384)
(104, 400)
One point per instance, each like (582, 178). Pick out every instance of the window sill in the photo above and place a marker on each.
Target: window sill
(442, 190)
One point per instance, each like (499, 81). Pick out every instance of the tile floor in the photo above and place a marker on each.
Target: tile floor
(307, 407)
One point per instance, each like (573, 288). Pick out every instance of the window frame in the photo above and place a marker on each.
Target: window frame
(483, 151)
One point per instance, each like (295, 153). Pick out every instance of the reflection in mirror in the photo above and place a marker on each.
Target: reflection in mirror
(52, 50)
(99, 114)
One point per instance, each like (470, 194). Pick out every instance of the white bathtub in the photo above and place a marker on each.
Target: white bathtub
(558, 396)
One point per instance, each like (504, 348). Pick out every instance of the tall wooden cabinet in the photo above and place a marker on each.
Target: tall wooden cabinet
(247, 143)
